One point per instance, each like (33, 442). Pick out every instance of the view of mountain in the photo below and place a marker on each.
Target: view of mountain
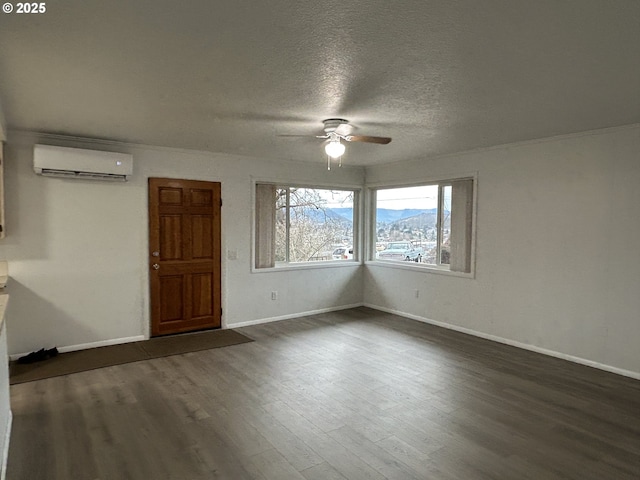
(410, 216)
(322, 215)
(386, 215)
(346, 213)
(426, 219)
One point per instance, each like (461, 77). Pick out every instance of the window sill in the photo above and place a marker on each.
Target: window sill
(417, 267)
(308, 266)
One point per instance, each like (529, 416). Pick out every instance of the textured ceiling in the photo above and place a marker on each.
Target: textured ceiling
(231, 75)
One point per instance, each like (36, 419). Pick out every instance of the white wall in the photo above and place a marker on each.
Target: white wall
(558, 252)
(78, 253)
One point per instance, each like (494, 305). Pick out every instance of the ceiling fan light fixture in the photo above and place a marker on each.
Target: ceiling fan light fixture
(334, 148)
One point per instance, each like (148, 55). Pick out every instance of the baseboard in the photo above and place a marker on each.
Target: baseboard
(5, 450)
(84, 346)
(293, 315)
(116, 341)
(513, 343)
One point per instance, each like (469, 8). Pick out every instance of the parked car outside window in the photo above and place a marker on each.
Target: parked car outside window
(343, 253)
(405, 251)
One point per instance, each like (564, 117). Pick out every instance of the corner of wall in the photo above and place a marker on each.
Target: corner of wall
(3, 125)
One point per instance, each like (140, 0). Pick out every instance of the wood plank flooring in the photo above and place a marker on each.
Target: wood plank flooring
(357, 394)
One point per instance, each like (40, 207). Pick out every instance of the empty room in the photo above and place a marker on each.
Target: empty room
(300, 240)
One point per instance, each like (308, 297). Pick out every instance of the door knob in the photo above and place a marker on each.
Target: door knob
(155, 266)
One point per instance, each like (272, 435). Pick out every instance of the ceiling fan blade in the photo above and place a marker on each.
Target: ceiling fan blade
(365, 138)
(303, 136)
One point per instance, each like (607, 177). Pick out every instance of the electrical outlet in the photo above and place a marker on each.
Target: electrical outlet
(274, 295)
(417, 293)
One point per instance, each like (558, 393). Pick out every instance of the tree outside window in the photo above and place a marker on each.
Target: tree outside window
(307, 224)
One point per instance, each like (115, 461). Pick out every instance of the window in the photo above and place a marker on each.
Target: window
(430, 225)
(297, 224)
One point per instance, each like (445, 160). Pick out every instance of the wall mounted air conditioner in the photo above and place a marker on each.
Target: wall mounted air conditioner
(79, 163)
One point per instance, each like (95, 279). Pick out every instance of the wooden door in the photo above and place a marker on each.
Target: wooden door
(184, 256)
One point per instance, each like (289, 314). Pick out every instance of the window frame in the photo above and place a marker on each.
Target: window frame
(358, 256)
(441, 181)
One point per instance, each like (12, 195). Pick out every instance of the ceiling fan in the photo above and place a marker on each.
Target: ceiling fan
(335, 130)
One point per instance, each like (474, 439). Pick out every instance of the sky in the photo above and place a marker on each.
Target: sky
(337, 198)
(422, 197)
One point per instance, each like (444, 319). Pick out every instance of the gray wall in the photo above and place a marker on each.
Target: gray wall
(557, 259)
(77, 250)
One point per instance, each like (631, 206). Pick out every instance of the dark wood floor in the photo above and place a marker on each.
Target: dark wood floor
(356, 394)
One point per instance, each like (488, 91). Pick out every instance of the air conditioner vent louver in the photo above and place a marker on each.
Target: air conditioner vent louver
(76, 163)
(56, 173)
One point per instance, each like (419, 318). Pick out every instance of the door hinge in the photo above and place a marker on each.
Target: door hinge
(220, 202)
(220, 312)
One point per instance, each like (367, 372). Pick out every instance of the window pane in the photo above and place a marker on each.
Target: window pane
(406, 224)
(428, 224)
(313, 224)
